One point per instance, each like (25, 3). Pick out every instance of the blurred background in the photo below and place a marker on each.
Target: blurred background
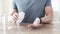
(5, 6)
(1, 21)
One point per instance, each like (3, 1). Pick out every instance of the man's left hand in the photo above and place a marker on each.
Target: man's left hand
(35, 24)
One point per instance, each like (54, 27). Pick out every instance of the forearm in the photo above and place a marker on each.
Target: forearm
(13, 11)
(49, 15)
(47, 19)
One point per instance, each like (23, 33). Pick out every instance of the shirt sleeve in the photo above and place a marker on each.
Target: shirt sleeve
(14, 5)
(48, 3)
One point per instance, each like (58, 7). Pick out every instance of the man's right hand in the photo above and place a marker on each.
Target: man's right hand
(15, 17)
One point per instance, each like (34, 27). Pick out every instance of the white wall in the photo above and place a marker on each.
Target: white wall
(56, 6)
(0, 10)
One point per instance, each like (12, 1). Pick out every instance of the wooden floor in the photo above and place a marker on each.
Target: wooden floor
(43, 29)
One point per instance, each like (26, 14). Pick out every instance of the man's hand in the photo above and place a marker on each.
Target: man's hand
(15, 17)
(36, 23)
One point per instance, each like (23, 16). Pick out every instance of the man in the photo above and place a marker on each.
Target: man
(35, 11)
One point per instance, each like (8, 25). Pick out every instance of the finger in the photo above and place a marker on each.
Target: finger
(33, 25)
(15, 16)
(14, 19)
(30, 26)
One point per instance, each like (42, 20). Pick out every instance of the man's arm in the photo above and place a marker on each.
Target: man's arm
(49, 15)
(47, 19)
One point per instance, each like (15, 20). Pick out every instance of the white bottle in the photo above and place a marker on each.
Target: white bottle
(21, 17)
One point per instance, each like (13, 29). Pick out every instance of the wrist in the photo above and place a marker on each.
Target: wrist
(40, 21)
